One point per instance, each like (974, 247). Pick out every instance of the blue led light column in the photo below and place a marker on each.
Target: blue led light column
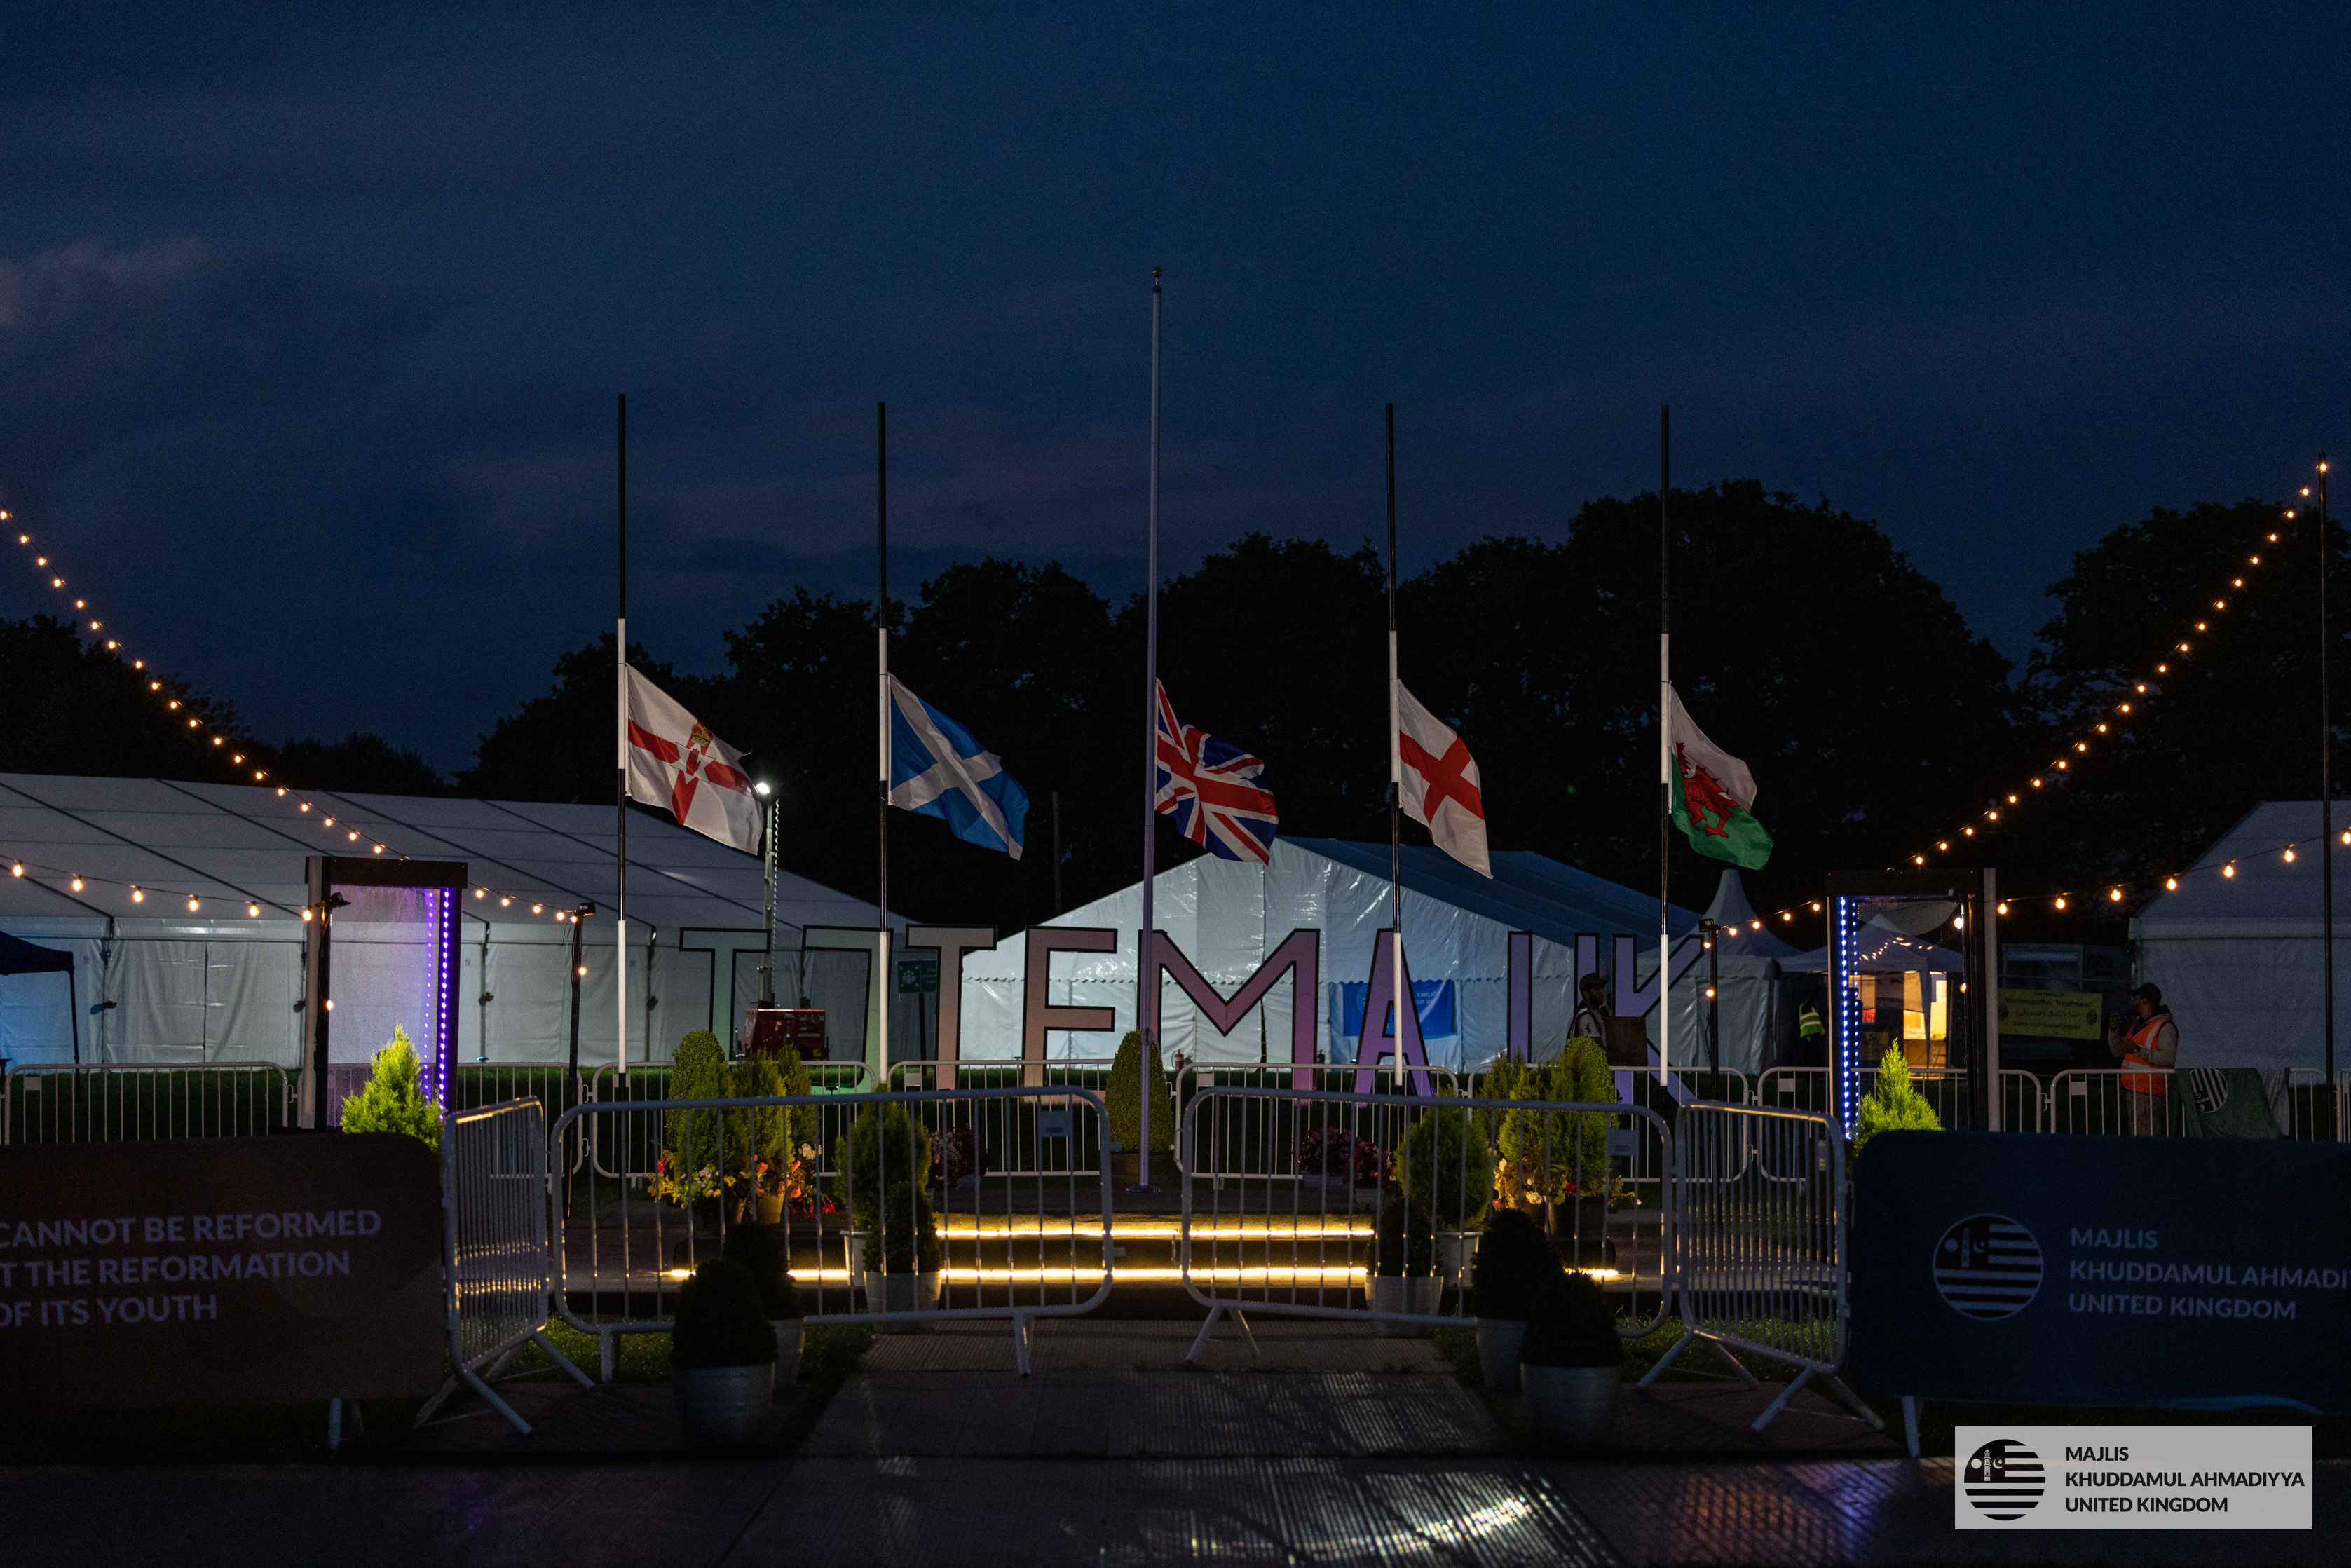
(1845, 1014)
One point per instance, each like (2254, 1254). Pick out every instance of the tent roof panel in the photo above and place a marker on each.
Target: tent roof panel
(234, 842)
(1527, 892)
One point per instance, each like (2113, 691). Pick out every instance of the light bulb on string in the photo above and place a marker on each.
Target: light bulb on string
(2289, 854)
(76, 884)
(2001, 907)
(2060, 901)
(136, 896)
(252, 912)
(2171, 884)
(2114, 894)
(193, 906)
(2229, 870)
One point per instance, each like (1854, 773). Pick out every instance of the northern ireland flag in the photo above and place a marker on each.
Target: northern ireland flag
(938, 769)
(1441, 784)
(1713, 793)
(674, 761)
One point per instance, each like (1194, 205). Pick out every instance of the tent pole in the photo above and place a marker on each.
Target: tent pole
(883, 977)
(621, 798)
(73, 1012)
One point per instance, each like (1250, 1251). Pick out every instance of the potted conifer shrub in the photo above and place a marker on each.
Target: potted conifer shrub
(886, 1148)
(722, 1356)
(1403, 1268)
(1514, 1261)
(1122, 1105)
(392, 1099)
(1572, 1361)
(1448, 1173)
(762, 1257)
(906, 1232)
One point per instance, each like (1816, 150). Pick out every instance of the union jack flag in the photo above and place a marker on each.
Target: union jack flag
(1211, 787)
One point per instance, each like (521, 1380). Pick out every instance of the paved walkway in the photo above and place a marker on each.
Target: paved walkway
(1334, 1446)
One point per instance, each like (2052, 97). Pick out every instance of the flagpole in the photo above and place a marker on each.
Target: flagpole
(1395, 785)
(620, 742)
(881, 684)
(1665, 731)
(1147, 994)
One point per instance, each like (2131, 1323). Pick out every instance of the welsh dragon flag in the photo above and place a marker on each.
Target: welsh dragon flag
(1713, 794)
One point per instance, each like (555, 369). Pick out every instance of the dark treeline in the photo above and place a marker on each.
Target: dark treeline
(1876, 723)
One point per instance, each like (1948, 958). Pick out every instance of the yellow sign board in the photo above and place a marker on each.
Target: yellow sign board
(2067, 1015)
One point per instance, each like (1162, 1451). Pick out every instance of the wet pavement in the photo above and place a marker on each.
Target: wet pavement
(1323, 1444)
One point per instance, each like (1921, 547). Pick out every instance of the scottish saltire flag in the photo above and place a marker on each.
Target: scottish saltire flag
(1211, 787)
(937, 769)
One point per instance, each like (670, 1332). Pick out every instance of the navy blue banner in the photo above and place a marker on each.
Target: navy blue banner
(2103, 1271)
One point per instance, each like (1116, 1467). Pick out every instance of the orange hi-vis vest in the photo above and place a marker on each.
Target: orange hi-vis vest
(2142, 1039)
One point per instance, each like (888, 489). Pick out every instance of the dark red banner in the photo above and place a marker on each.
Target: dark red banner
(220, 1271)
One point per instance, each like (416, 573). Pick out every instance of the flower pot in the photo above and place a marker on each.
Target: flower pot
(769, 1208)
(853, 1244)
(1455, 1250)
(902, 1293)
(1498, 1352)
(1391, 1294)
(1570, 1404)
(703, 1213)
(789, 1332)
(720, 1406)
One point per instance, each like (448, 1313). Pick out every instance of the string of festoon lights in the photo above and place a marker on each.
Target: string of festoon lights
(330, 820)
(2144, 690)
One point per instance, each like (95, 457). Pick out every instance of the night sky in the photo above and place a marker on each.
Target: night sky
(312, 319)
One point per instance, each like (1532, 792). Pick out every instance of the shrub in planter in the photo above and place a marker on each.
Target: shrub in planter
(1892, 1104)
(763, 1257)
(800, 1120)
(906, 1232)
(698, 1071)
(757, 1133)
(723, 1354)
(1407, 1242)
(1335, 1156)
(1123, 1098)
(1447, 1170)
(1571, 1362)
(754, 1248)
(721, 1321)
(886, 1147)
(1555, 1156)
(1514, 1261)
(392, 1101)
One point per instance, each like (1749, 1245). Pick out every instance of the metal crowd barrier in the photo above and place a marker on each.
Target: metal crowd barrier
(1315, 1240)
(650, 1083)
(113, 1102)
(1000, 1208)
(1759, 1234)
(493, 1193)
(2119, 1100)
(2023, 1106)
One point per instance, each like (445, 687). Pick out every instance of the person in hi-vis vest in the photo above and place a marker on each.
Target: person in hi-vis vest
(2152, 1042)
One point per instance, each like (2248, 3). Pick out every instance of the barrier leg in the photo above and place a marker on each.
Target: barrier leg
(560, 1359)
(497, 1404)
(1200, 1341)
(1247, 1333)
(1722, 1353)
(334, 1425)
(440, 1397)
(1910, 1422)
(1666, 1360)
(1850, 1397)
(605, 1340)
(1021, 1342)
(1782, 1403)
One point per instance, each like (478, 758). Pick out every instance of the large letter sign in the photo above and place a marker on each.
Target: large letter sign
(1301, 950)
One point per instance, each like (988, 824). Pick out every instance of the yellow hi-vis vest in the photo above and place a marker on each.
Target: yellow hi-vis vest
(1808, 1022)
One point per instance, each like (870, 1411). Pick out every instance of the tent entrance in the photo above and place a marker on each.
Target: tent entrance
(1908, 964)
(382, 959)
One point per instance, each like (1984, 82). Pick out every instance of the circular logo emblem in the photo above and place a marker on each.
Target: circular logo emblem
(1988, 1266)
(2003, 1479)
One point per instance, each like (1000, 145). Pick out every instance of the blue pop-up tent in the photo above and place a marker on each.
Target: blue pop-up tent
(20, 957)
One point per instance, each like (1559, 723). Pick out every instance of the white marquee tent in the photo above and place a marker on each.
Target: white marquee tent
(1226, 917)
(2238, 957)
(161, 983)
